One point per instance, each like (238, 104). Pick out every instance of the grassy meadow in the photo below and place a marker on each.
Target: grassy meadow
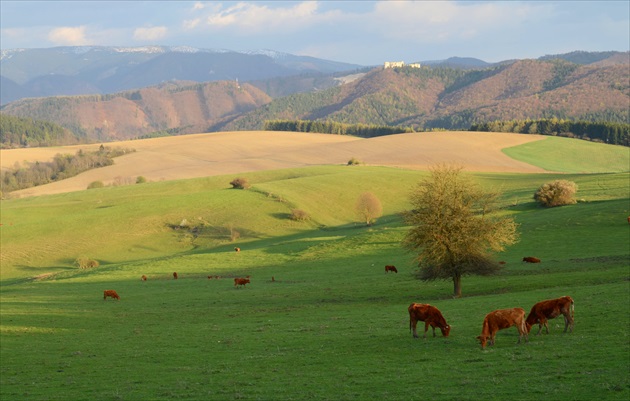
(331, 325)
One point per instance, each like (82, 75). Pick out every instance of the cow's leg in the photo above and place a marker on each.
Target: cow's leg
(426, 328)
(414, 323)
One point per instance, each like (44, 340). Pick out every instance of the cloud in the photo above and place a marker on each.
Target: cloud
(253, 18)
(150, 34)
(68, 36)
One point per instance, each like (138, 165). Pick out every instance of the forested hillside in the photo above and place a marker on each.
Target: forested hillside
(420, 99)
(16, 132)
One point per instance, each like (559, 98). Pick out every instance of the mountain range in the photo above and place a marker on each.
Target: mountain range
(166, 91)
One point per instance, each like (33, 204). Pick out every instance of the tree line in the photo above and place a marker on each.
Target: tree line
(332, 127)
(62, 166)
(606, 132)
(17, 132)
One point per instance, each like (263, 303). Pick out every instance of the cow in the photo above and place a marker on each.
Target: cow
(240, 281)
(143, 278)
(502, 262)
(628, 219)
(428, 314)
(237, 249)
(110, 293)
(550, 309)
(531, 259)
(175, 275)
(390, 268)
(502, 319)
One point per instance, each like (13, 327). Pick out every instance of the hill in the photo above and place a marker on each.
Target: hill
(245, 152)
(83, 70)
(422, 98)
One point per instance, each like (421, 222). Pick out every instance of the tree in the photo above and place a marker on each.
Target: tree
(368, 207)
(453, 229)
(556, 193)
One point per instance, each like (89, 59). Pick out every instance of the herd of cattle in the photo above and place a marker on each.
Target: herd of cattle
(494, 321)
(499, 319)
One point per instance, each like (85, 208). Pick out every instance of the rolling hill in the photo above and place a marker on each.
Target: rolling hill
(422, 98)
(245, 152)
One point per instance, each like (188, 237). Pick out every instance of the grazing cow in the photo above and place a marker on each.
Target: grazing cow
(502, 319)
(240, 281)
(531, 259)
(502, 262)
(110, 293)
(550, 309)
(428, 314)
(175, 275)
(144, 278)
(210, 277)
(237, 249)
(390, 268)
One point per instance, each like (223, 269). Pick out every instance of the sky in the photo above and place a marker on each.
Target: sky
(358, 32)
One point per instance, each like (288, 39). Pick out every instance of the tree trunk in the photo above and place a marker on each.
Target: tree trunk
(457, 286)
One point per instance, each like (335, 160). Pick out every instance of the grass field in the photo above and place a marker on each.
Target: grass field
(332, 325)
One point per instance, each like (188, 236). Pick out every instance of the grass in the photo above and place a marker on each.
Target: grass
(572, 156)
(332, 325)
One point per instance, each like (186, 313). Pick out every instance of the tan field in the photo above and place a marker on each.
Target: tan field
(201, 155)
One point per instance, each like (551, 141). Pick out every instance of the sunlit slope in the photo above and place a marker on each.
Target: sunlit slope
(572, 155)
(214, 154)
(122, 224)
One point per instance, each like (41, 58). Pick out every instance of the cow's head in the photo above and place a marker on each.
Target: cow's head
(445, 330)
(483, 340)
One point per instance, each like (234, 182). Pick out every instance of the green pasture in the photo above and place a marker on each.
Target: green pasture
(331, 325)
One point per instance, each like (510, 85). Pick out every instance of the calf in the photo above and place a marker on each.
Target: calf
(143, 278)
(531, 259)
(110, 293)
(240, 281)
(550, 309)
(502, 319)
(390, 268)
(428, 314)
(237, 249)
(175, 275)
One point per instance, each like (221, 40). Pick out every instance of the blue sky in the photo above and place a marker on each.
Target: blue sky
(360, 32)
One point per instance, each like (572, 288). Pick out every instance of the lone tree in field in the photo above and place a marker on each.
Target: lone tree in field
(368, 207)
(453, 229)
(556, 193)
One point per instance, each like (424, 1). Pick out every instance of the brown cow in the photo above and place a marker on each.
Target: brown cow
(390, 268)
(110, 293)
(428, 314)
(551, 309)
(175, 275)
(502, 319)
(144, 278)
(237, 249)
(240, 281)
(531, 259)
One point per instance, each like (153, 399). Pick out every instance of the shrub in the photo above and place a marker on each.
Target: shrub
(353, 162)
(299, 215)
(140, 180)
(556, 193)
(95, 184)
(85, 263)
(240, 183)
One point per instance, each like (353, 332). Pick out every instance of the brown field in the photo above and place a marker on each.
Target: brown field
(200, 155)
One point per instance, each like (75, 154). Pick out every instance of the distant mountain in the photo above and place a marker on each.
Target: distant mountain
(104, 70)
(459, 62)
(423, 98)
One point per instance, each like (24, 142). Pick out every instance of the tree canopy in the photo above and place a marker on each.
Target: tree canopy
(453, 228)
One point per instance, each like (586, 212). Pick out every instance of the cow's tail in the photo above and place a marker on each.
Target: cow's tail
(572, 306)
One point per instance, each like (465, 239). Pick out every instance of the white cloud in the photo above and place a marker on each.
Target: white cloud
(151, 33)
(254, 18)
(68, 36)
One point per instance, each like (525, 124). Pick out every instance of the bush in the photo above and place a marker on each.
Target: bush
(299, 215)
(140, 180)
(556, 193)
(95, 184)
(240, 183)
(85, 263)
(353, 162)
